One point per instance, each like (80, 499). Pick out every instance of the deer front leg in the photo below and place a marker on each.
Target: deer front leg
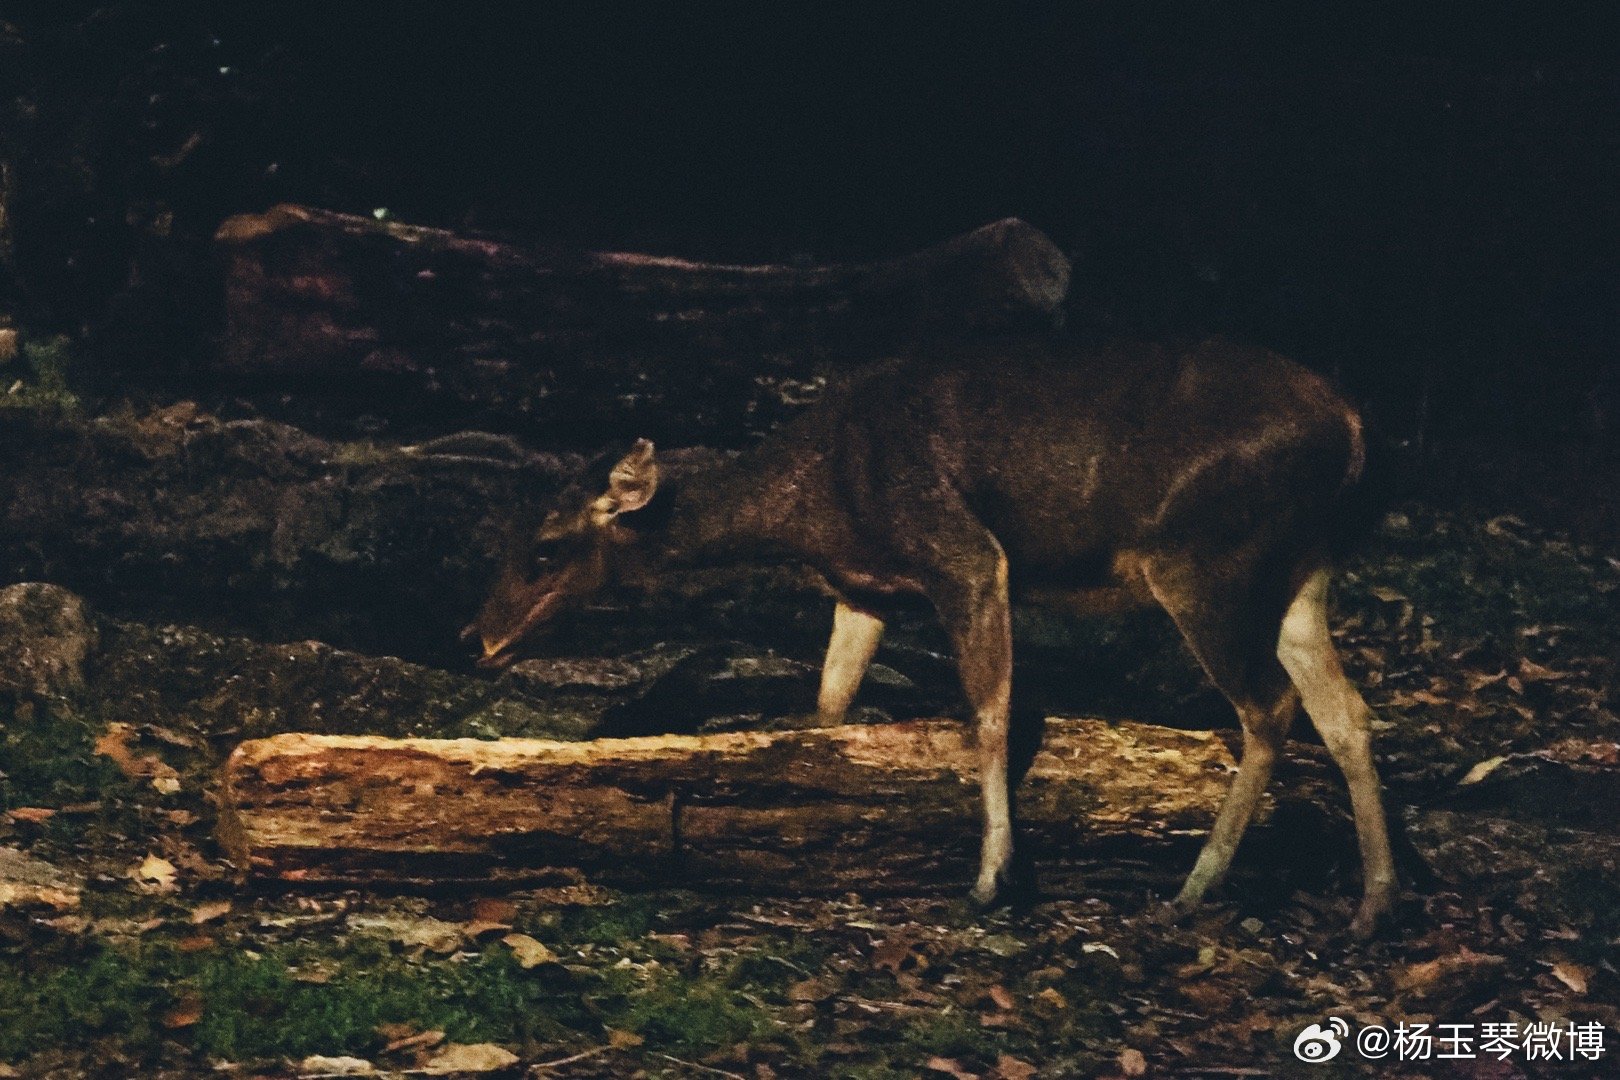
(855, 637)
(973, 606)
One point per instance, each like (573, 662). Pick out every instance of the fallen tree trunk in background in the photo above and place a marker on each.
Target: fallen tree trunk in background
(385, 312)
(251, 517)
(884, 807)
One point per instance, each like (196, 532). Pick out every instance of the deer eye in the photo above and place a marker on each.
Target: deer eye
(543, 556)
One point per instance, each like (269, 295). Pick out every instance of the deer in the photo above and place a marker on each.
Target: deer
(1209, 479)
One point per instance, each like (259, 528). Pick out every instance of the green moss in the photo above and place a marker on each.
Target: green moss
(952, 1035)
(628, 917)
(44, 382)
(254, 1006)
(694, 1016)
(48, 758)
(776, 963)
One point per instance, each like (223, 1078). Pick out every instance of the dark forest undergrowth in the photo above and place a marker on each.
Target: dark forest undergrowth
(1488, 647)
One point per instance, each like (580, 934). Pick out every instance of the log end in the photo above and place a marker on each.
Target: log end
(1033, 270)
(246, 228)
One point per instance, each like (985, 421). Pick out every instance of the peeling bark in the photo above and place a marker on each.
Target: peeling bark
(880, 807)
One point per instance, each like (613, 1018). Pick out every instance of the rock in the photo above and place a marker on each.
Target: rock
(233, 684)
(704, 687)
(597, 673)
(46, 635)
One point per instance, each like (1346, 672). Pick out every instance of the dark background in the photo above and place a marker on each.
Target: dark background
(1420, 199)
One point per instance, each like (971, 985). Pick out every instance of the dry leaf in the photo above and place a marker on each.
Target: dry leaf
(895, 955)
(478, 928)
(529, 952)
(1011, 1068)
(1451, 972)
(1481, 771)
(1132, 1062)
(1003, 998)
(435, 935)
(493, 910)
(196, 943)
(155, 872)
(950, 1067)
(811, 990)
(620, 1039)
(209, 911)
(114, 744)
(470, 1057)
(321, 1065)
(186, 1012)
(420, 1040)
(34, 814)
(1572, 975)
(1530, 671)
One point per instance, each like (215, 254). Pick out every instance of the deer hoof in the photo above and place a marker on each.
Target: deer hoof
(1364, 927)
(983, 898)
(1014, 887)
(803, 722)
(1169, 913)
(1375, 909)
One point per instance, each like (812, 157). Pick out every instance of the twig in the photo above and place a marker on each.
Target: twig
(900, 1007)
(570, 1059)
(701, 1068)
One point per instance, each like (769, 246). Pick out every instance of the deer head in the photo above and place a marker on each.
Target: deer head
(571, 555)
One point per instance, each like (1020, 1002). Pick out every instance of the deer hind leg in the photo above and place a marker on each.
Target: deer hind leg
(971, 599)
(855, 637)
(1305, 648)
(1231, 628)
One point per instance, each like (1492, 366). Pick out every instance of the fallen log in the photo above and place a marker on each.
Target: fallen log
(880, 807)
(194, 513)
(393, 314)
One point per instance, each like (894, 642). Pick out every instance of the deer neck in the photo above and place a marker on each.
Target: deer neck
(722, 513)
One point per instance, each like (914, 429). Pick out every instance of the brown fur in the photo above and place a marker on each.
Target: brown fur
(1206, 479)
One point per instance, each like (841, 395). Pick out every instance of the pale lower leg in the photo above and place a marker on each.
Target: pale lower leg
(1254, 773)
(995, 852)
(981, 624)
(855, 637)
(1344, 721)
(1214, 628)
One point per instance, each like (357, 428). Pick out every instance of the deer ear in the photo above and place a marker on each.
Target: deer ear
(632, 482)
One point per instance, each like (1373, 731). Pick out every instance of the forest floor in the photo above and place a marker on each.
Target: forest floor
(1489, 649)
(130, 947)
